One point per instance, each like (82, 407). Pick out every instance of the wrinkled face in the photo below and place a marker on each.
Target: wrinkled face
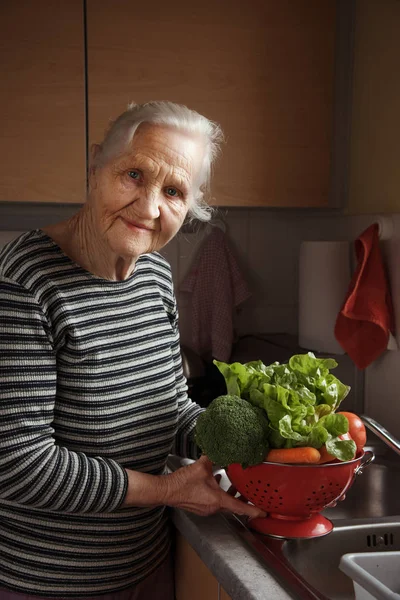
(140, 199)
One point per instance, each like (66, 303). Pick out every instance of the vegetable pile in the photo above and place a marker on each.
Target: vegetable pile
(296, 419)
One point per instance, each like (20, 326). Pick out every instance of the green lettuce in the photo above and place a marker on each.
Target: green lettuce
(300, 399)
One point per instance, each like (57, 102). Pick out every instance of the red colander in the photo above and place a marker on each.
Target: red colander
(294, 495)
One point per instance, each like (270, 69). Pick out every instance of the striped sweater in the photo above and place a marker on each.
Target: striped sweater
(90, 382)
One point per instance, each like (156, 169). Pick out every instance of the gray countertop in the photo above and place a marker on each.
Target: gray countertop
(237, 568)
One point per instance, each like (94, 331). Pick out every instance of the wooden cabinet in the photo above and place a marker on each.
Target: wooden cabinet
(375, 139)
(193, 581)
(42, 101)
(264, 70)
(223, 595)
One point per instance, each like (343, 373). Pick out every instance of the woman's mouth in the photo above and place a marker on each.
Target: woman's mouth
(137, 226)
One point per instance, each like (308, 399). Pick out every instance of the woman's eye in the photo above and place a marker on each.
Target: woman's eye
(171, 191)
(134, 174)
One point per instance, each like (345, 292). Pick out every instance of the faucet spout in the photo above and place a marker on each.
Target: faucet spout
(382, 433)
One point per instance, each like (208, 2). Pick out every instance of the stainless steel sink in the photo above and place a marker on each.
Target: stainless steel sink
(317, 561)
(309, 569)
(367, 520)
(374, 494)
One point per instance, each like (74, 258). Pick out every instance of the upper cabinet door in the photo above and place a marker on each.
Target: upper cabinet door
(263, 69)
(375, 137)
(42, 101)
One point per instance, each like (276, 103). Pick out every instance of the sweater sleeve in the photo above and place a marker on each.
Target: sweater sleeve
(185, 445)
(34, 470)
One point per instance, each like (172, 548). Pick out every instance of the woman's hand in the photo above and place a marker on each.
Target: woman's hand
(195, 489)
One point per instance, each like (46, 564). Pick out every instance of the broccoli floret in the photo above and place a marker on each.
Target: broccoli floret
(231, 430)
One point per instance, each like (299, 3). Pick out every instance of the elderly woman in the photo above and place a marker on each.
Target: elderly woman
(93, 395)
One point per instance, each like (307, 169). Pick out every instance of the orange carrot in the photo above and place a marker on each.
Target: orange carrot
(295, 456)
(325, 456)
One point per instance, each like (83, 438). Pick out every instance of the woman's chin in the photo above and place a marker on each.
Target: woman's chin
(131, 247)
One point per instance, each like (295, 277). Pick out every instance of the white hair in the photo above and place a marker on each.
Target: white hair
(121, 131)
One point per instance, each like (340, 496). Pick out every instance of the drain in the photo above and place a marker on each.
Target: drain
(378, 541)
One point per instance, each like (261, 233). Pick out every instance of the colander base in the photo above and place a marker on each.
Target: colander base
(314, 526)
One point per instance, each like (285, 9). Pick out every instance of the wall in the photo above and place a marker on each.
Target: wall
(266, 244)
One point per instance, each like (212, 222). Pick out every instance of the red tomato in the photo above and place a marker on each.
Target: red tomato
(357, 429)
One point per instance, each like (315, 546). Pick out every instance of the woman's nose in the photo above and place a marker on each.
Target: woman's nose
(148, 204)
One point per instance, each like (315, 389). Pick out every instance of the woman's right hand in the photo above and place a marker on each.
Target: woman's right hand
(194, 488)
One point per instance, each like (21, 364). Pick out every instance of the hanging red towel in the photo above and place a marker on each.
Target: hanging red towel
(366, 319)
(217, 287)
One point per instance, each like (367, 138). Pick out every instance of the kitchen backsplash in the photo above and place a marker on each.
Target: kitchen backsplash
(266, 244)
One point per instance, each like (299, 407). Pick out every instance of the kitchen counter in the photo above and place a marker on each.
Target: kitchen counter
(232, 562)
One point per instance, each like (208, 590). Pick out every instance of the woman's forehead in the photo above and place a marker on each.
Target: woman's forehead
(156, 147)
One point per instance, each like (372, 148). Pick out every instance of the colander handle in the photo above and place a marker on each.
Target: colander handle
(366, 460)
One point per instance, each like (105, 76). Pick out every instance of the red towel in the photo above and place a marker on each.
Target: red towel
(217, 287)
(366, 319)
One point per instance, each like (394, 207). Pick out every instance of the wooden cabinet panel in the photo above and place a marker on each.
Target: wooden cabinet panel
(375, 140)
(42, 101)
(264, 70)
(193, 581)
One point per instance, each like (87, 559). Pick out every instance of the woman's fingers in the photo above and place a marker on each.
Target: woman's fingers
(241, 508)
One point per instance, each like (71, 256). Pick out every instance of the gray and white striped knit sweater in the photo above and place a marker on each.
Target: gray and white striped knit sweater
(90, 382)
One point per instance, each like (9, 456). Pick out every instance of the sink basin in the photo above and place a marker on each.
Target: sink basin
(375, 493)
(317, 560)
(368, 520)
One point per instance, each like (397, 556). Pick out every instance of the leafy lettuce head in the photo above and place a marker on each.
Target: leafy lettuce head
(299, 398)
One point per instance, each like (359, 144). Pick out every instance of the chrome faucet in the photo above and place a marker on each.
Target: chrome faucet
(382, 433)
